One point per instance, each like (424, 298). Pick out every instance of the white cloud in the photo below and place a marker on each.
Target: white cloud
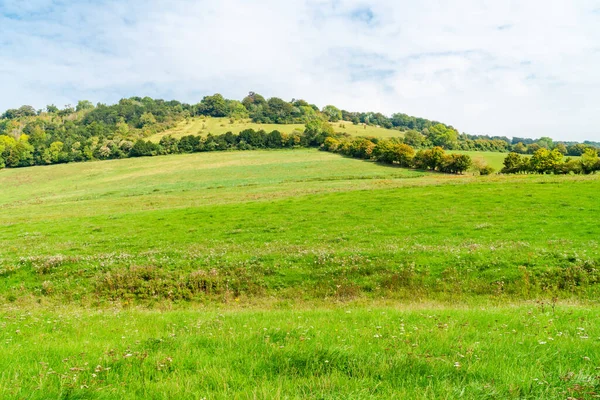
(501, 68)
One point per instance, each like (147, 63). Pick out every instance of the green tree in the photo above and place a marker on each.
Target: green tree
(54, 151)
(589, 160)
(544, 160)
(562, 148)
(443, 136)
(316, 131)
(332, 113)
(455, 163)
(52, 109)
(519, 148)
(236, 109)
(414, 138)
(213, 106)
(513, 163)
(545, 142)
(147, 119)
(430, 159)
(83, 105)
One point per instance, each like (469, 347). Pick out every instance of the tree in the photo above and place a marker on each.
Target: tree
(545, 142)
(414, 138)
(389, 152)
(443, 136)
(274, 140)
(54, 152)
(455, 163)
(142, 149)
(519, 148)
(235, 109)
(23, 111)
(589, 160)
(576, 149)
(544, 160)
(83, 105)
(513, 163)
(361, 148)
(330, 144)
(253, 101)
(429, 159)
(279, 111)
(561, 147)
(52, 109)
(147, 119)
(532, 148)
(169, 144)
(213, 106)
(332, 113)
(316, 131)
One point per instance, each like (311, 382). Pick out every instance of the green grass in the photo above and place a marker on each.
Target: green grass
(292, 224)
(295, 274)
(218, 126)
(345, 352)
(493, 159)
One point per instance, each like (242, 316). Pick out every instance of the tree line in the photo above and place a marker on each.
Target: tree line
(547, 161)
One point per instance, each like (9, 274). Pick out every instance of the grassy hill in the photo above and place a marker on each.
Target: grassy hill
(295, 274)
(217, 126)
(288, 222)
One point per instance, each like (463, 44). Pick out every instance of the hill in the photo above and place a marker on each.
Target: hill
(299, 273)
(285, 222)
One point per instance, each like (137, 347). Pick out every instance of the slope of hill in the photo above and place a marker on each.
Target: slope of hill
(295, 272)
(218, 126)
(277, 213)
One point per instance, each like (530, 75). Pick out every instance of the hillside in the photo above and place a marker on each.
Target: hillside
(278, 213)
(296, 272)
(219, 126)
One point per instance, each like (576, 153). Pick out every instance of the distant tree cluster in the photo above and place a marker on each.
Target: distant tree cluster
(392, 151)
(552, 161)
(82, 133)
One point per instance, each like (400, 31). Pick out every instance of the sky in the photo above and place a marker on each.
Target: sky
(526, 68)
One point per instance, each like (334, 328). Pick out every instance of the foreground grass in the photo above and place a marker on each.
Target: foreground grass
(218, 126)
(345, 352)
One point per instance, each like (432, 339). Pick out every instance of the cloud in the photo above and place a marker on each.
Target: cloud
(501, 68)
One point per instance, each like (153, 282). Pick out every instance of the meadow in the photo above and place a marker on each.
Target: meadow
(217, 126)
(354, 352)
(295, 274)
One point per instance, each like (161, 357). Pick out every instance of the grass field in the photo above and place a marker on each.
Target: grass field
(295, 274)
(218, 126)
(291, 223)
(493, 159)
(348, 352)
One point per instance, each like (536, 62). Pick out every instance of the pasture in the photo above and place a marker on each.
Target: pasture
(295, 274)
(358, 352)
(291, 224)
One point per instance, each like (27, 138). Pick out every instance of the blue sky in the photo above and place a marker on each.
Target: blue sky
(516, 68)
